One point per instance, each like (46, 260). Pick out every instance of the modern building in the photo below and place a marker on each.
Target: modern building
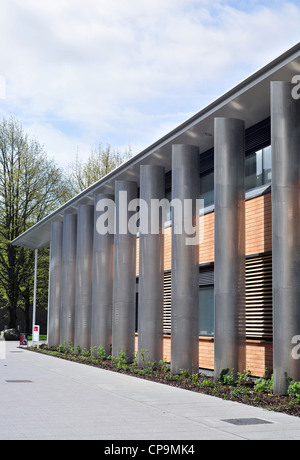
(230, 300)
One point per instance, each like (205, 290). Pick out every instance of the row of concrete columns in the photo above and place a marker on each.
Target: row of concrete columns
(285, 129)
(92, 283)
(230, 240)
(92, 276)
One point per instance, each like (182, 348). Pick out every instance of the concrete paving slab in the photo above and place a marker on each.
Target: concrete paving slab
(43, 397)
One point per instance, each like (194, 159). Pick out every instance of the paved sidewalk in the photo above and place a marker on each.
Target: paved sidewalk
(43, 397)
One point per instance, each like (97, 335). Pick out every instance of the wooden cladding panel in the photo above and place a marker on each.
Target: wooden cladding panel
(259, 355)
(258, 232)
(259, 225)
(207, 240)
(168, 249)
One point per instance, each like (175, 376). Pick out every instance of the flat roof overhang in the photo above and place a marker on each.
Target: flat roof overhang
(249, 100)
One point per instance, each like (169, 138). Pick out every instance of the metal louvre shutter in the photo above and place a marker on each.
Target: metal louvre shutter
(206, 276)
(167, 303)
(258, 136)
(259, 315)
(206, 162)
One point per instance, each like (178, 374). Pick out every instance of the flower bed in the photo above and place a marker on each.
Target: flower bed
(241, 389)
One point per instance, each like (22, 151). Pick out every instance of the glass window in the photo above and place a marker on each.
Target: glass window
(257, 173)
(207, 189)
(258, 168)
(206, 311)
(168, 216)
(267, 165)
(136, 311)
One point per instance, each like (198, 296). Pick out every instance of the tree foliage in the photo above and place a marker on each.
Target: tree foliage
(100, 162)
(31, 186)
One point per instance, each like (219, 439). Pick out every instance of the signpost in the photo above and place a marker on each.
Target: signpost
(36, 335)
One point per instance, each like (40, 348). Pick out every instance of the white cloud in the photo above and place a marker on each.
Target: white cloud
(124, 70)
(59, 146)
(2, 87)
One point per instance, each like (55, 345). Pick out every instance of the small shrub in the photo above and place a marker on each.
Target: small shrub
(85, 352)
(173, 377)
(226, 377)
(148, 366)
(240, 392)
(195, 378)
(121, 360)
(185, 373)
(243, 377)
(264, 384)
(70, 348)
(78, 350)
(101, 352)
(294, 390)
(164, 367)
(207, 383)
(146, 359)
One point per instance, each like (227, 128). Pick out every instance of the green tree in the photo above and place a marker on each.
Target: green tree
(100, 162)
(31, 186)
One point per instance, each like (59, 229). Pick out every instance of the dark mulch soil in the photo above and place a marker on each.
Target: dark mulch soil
(245, 394)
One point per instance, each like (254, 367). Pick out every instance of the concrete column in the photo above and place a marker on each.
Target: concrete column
(103, 272)
(84, 276)
(285, 128)
(68, 279)
(55, 270)
(123, 323)
(185, 261)
(151, 266)
(229, 245)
